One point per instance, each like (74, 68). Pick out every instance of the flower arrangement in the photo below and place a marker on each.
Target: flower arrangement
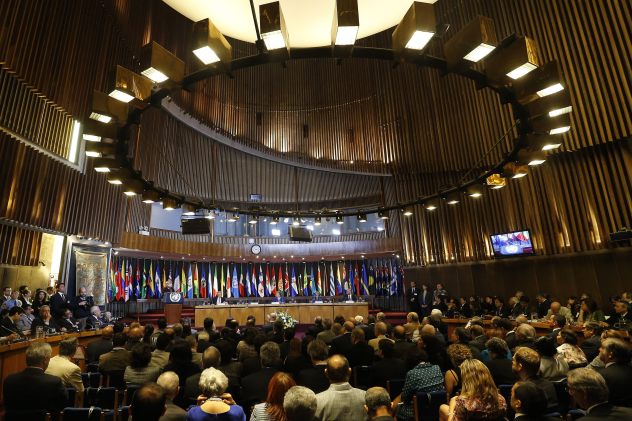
(287, 319)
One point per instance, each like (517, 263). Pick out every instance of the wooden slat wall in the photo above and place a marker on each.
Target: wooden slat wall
(19, 246)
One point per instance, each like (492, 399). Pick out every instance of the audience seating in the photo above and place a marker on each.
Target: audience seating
(362, 377)
(103, 397)
(563, 398)
(426, 405)
(574, 414)
(91, 379)
(27, 414)
(115, 379)
(72, 397)
(123, 413)
(395, 387)
(129, 393)
(82, 414)
(93, 368)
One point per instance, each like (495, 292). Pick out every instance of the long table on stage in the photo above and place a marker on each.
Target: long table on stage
(303, 312)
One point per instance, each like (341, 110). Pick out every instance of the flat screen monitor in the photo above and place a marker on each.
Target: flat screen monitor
(517, 243)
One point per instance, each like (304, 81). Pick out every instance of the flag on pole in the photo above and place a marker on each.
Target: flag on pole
(305, 281)
(365, 284)
(280, 281)
(176, 281)
(128, 280)
(269, 284)
(345, 280)
(332, 280)
(393, 280)
(371, 280)
(318, 281)
(150, 280)
(169, 281)
(235, 283)
(261, 287)
(294, 286)
(203, 289)
(356, 274)
(244, 284)
(137, 280)
(196, 281)
(215, 290)
(188, 293)
(273, 287)
(157, 282)
(112, 283)
(286, 282)
(220, 289)
(339, 280)
(352, 283)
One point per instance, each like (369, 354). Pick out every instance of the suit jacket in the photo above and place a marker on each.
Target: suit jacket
(255, 386)
(34, 389)
(564, 311)
(617, 378)
(173, 412)
(58, 304)
(313, 378)
(50, 328)
(159, 358)
(192, 388)
(116, 360)
(387, 369)
(375, 342)
(403, 348)
(510, 339)
(341, 402)
(7, 327)
(93, 322)
(479, 342)
(326, 336)
(615, 318)
(591, 346)
(607, 411)
(501, 372)
(67, 371)
(97, 348)
(341, 345)
(81, 311)
(503, 311)
(67, 324)
(543, 308)
(361, 354)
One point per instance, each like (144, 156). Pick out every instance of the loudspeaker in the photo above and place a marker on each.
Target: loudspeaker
(196, 226)
(300, 234)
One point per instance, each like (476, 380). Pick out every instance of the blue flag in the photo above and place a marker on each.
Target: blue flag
(293, 286)
(235, 283)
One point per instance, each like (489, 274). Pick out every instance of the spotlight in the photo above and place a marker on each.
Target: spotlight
(472, 43)
(496, 181)
(541, 82)
(234, 217)
(361, 217)
(127, 85)
(552, 105)
(513, 170)
(475, 191)
(453, 198)
(275, 220)
(408, 211)
(105, 164)
(416, 28)
(95, 131)
(296, 222)
(543, 142)
(209, 45)
(106, 108)
(188, 209)
(209, 214)
(169, 204)
(431, 204)
(159, 64)
(272, 25)
(346, 22)
(253, 219)
(97, 149)
(150, 196)
(531, 157)
(515, 60)
(317, 221)
(133, 187)
(553, 125)
(119, 176)
(382, 215)
(340, 220)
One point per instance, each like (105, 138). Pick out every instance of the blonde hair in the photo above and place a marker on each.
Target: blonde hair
(477, 382)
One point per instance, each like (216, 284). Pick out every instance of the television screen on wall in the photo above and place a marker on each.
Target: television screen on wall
(517, 243)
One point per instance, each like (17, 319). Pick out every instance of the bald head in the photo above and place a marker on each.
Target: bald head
(349, 326)
(107, 332)
(555, 307)
(211, 357)
(428, 330)
(135, 333)
(338, 370)
(399, 332)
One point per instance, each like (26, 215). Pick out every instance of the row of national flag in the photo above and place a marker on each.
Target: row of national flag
(133, 278)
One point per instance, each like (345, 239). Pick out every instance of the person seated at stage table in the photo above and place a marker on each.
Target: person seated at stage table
(501, 309)
(479, 397)
(32, 388)
(621, 316)
(26, 318)
(45, 320)
(9, 326)
(62, 366)
(589, 390)
(526, 365)
(66, 322)
(553, 365)
(95, 321)
(615, 354)
(568, 348)
(590, 312)
(139, 371)
(314, 377)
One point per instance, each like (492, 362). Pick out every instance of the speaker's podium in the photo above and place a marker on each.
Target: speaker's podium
(173, 307)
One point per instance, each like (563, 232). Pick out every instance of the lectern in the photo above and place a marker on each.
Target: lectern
(173, 307)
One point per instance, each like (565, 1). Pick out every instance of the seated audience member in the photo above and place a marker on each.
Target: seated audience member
(148, 403)
(388, 367)
(597, 362)
(26, 318)
(100, 346)
(340, 401)
(615, 354)
(316, 328)
(526, 364)
(553, 365)
(170, 383)
(284, 347)
(272, 408)
(314, 377)
(402, 346)
(299, 404)
(180, 362)
(246, 347)
(529, 402)
(360, 353)
(592, 341)
(32, 388)
(457, 353)
(159, 356)
(161, 324)
(62, 366)
(621, 316)
(380, 333)
(94, 320)
(369, 328)
(589, 390)
(210, 358)
(45, 320)
(499, 365)
(9, 325)
(568, 348)
(434, 349)
(196, 357)
(217, 405)
(118, 359)
(327, 334)
(558, 322)
(342, 344)
(233, 369)
(479, 338)
(463, 336)
(423, 377)
(134, 336)
(412, 325)
(525, 336)
(276, 335)
(479, 397)
(139, 371)
(377, 404)
(381, 317)
(255, 385)
(296, 360)
(66, 322)
(590, 312)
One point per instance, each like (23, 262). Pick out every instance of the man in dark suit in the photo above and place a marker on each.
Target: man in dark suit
(314, 377)
(401, 347)
(413, 298)
(66, 323)
(544, 304)
(388, 367)
(616, 355)
(592, 340)
(210, 358)
(32, 388)
(501, 309)
(589, 390)
(480, 339)
(425, 300)
(499, 365)
(9, 327)
(100, 346)
(558, 323)
(255, 386)
(81, 304)
(621, 314)
(529, 402)
(315, 329)
(59, 301)
(94, 321)
(117, 359)
(360, 353)
(526, 364)
(342, 344)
